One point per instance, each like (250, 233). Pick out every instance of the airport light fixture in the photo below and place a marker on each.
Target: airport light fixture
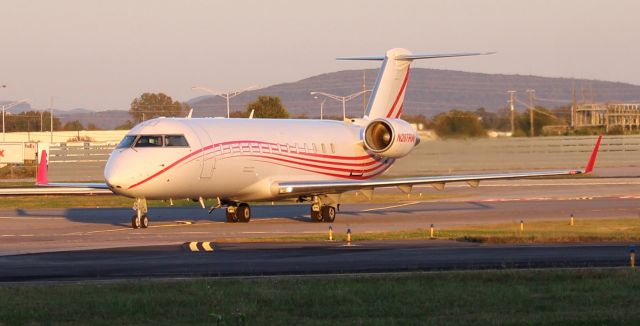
(7, 107)
(343, 99)
(227, 95)
(321, 106)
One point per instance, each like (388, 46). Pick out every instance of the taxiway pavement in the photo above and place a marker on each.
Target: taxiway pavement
(72, 242)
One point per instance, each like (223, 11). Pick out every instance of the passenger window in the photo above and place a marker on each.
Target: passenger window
(126, 142)
(333, 149)
(315, 149)
(149, 141)
(323, 149)
(175, 141)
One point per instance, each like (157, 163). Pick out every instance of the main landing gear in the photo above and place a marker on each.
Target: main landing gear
(322, 213)
(238, 213)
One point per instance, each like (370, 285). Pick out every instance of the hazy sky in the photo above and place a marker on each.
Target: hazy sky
(102, 54)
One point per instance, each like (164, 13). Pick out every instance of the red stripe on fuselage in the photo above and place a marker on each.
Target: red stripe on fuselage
(209, 147)
(404, 84)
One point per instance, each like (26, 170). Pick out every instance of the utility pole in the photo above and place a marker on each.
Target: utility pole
(512, 98)
(51, 120)
(531, 93)
(574, 107)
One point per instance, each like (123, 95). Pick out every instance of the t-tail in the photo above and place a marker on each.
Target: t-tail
(387, 98)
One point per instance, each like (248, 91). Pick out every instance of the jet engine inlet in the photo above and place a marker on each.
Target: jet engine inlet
(390, 137)
(378, 136)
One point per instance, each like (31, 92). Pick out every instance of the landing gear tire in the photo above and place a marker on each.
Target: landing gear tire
(316, 214)
(231, 214)
(243, 213)
(328, 213)
(144, 221)
(135, 221)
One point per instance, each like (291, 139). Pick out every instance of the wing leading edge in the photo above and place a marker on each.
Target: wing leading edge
(300, 188)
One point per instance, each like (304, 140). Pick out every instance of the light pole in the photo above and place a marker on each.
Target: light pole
(228, 95)
(343, 99)
(7, 107)
(321, 106)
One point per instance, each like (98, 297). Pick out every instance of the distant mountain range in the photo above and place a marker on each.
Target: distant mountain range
(429, 92)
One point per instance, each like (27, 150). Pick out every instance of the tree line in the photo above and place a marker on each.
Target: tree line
(455, 123)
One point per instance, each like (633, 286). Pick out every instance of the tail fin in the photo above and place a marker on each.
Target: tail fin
(42, 176)
(387, 98)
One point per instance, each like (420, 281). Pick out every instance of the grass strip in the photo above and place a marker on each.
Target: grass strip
(567, 297)
(592, 230)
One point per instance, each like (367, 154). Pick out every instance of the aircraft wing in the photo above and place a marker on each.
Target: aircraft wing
(58, 189)
(43, 187)
(301, 188)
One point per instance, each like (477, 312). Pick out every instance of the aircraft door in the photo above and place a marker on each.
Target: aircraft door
(207, 158)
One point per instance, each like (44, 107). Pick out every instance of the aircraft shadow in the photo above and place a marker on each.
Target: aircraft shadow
(122, 216)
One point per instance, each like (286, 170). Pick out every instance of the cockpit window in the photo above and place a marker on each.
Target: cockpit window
(175, 141)
(149, 141)
(126, 142)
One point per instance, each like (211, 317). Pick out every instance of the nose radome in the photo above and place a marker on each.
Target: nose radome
(115, 174)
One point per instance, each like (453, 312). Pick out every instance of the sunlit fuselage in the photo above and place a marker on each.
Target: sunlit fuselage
(239, 159)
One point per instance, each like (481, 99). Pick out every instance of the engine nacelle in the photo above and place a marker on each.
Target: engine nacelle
(390, 137)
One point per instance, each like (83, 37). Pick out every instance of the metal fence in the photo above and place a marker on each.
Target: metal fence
(85, 162)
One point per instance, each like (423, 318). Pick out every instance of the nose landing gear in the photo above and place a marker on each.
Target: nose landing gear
(140, 218)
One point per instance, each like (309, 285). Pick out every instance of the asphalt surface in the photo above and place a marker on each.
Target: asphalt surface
(301, 259)
(90, 243)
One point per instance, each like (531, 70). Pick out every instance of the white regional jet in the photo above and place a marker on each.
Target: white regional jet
(235, 161)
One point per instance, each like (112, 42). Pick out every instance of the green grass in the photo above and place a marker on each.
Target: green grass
(591, 230)
(567, 297)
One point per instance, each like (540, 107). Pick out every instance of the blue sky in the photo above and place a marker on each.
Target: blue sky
(102, 54)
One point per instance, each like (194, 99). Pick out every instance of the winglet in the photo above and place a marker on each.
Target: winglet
(592, 159)
(42, 176)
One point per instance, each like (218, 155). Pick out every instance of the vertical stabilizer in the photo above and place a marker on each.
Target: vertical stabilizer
(387, 98)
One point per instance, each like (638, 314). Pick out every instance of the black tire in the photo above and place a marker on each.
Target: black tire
(135, 222)
(144, 221)
(316, 216)
(328, 214)
(243, 213)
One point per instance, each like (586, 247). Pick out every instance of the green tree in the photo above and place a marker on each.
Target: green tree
(238, 114)
(500, 120)
(74, 125)
(152, 105)
(92, 126)
(456, 123)
(30, 121)
(126, 126)
(267, 107)
(541, 117)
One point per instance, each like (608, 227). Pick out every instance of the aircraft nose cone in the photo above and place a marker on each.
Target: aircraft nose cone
(115, 175)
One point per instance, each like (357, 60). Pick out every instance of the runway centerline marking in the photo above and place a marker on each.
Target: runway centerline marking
(392, 206)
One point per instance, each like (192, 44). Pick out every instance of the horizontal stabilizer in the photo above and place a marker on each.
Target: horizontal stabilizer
(418, 56)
